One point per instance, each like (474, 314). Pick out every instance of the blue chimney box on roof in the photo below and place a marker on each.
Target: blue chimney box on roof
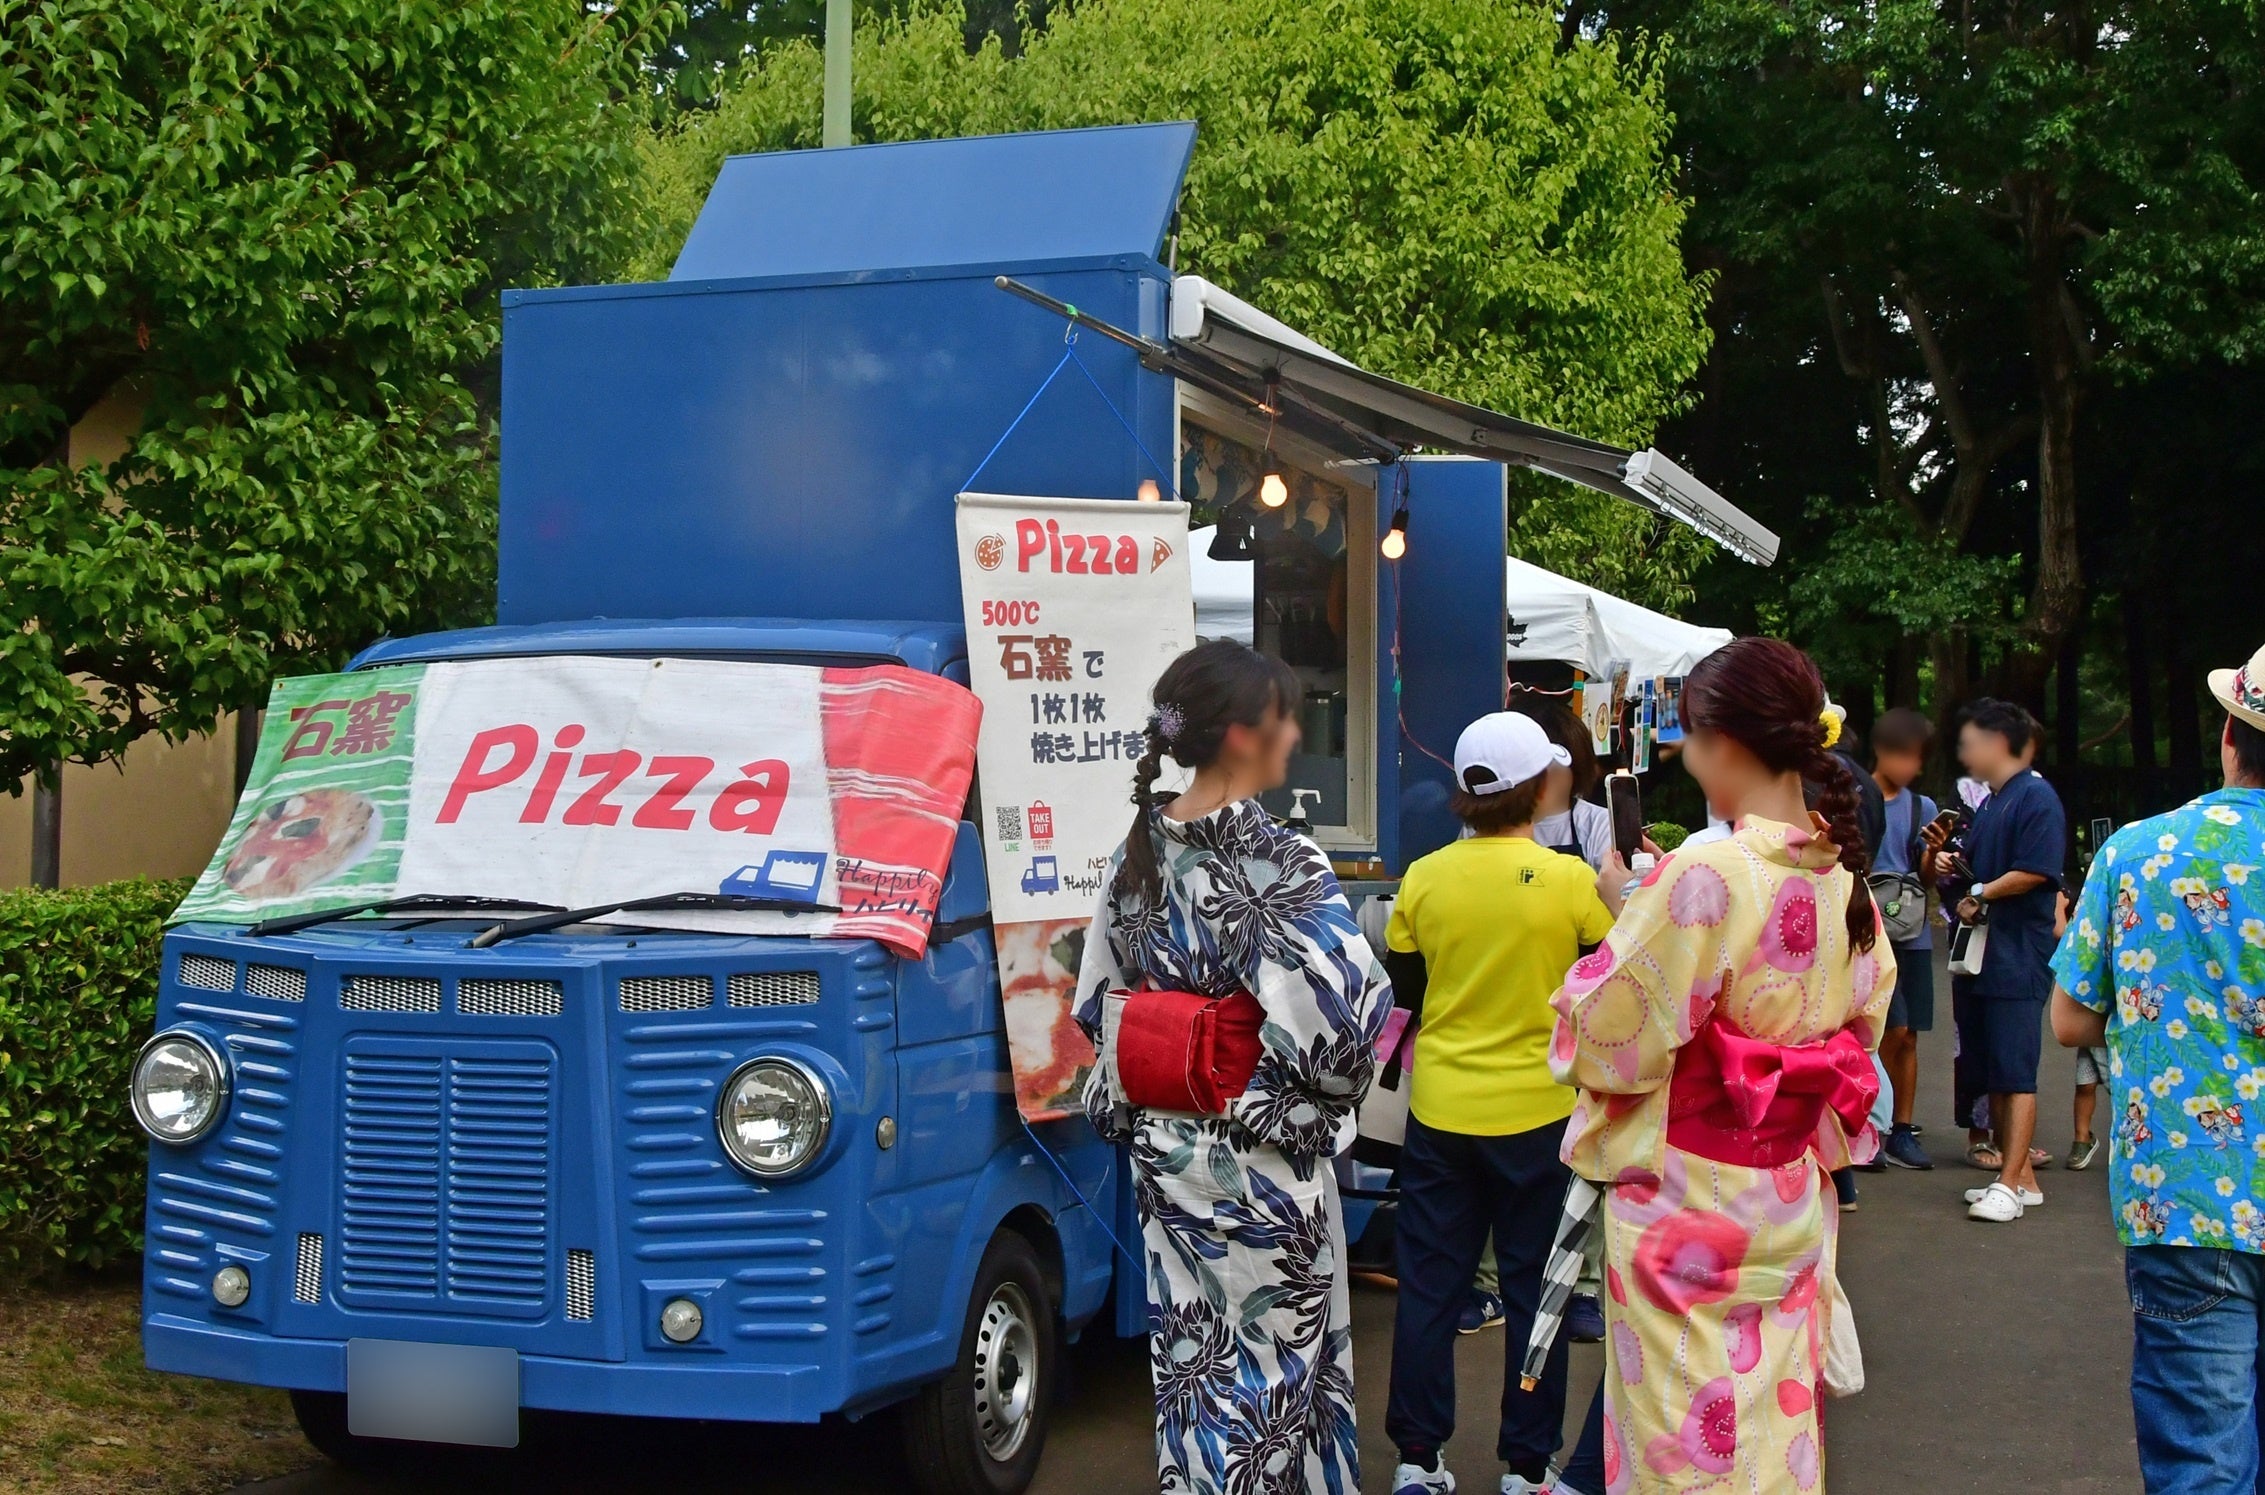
(779, 429)
(987, 200)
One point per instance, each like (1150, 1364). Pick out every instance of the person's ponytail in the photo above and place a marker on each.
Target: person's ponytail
(1138, 875)
(1838, 803)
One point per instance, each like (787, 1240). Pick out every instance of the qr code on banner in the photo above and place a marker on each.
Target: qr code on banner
(1009, 821)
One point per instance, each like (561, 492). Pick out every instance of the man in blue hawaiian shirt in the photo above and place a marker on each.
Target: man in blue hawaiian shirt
(2164, 962)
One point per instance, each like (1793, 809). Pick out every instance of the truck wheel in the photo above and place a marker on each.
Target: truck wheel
(981, 1429)
(322, 1417)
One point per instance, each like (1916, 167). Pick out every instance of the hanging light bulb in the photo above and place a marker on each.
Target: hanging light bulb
(1395, 543)
(1272, 491)
(1149, 492)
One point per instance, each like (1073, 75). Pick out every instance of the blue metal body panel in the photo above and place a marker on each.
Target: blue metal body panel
(983, 200)
(449, 1162)
(793, 449)
(1450, 616)
(932, 648)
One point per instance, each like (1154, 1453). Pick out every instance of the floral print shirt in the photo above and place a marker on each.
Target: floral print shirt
(2168, 939)
(1248, 906)
(1753, 929)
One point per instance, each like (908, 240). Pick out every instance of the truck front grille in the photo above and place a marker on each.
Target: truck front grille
(390, 994)
(446, 1178)
(481, 996)
(666, 993)
(771, 988)
(306, 1277)
(208, 973)
(276, 983)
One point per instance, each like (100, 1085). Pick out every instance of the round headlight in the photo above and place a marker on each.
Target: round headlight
(773, 1116)
(231, 1286)
(680, 1321)
(180, 1087)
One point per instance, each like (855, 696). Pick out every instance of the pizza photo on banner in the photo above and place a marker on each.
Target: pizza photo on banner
(1074, 606)
(833, 794)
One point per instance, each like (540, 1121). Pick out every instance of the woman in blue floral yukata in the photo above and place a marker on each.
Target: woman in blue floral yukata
(1250, 1322)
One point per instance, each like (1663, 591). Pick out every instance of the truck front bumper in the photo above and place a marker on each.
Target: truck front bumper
(707, 1389)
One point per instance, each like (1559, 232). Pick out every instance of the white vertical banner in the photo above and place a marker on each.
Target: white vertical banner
(1074, 606)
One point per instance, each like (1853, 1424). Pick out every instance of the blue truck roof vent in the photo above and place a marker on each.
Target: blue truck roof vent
(984, 200)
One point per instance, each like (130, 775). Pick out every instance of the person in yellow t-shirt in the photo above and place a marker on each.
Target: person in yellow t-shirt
(1481, 935)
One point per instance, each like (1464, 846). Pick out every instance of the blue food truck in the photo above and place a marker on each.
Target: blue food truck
(424, 1177)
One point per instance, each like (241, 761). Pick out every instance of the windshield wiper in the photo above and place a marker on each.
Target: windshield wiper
(728, 902)
(294, 922)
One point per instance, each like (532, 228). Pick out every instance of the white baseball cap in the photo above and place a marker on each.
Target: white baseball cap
(1504, 750)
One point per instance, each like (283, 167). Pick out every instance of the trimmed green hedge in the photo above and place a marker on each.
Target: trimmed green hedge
(78, 994)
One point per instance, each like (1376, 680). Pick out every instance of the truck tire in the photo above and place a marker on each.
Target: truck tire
(322, 1417)
(980, 1430)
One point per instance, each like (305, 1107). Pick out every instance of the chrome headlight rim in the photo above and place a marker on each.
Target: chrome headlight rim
(223, 1086)
(822, 1094)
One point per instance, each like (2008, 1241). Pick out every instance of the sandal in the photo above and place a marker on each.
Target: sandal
(2039, 1158)
(1985, 1156)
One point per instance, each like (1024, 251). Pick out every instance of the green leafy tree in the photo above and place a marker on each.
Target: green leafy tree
(1437, 189)
(1981, 214)
(278, 232)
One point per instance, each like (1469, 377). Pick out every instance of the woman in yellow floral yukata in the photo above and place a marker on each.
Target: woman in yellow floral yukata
(1721, 1039)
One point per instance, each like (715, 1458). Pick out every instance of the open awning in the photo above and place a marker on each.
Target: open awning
(1224, 342)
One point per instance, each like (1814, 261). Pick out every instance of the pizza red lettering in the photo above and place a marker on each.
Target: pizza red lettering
(1076, 546)
(1128, 556)
(662, 812)
(1098, 546)
(1030, 535)
(752, 804)
(610, 769)
(1054, 544)
(475, 775)
(545, 792)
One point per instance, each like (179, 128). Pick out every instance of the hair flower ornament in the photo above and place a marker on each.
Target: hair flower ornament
(1830, 719)
(1165, 726)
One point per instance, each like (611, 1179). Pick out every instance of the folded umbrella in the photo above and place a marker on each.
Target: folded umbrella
(1576, 1221)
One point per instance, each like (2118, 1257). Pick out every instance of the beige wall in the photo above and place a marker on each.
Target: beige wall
(161, 811)
(158, 814)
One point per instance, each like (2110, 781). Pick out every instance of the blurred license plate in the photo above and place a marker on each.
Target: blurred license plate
(433, 1393)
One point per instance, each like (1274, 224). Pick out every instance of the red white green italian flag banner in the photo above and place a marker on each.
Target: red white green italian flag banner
(577, 781)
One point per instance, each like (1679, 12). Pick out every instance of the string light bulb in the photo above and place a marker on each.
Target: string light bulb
(1395, 542)
(1272, 491)
(1149, 493)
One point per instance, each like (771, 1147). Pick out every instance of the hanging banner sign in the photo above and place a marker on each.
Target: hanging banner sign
(577, 781)
(1074, 607)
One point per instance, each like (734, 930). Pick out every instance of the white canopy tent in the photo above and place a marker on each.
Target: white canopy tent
(1552, 617)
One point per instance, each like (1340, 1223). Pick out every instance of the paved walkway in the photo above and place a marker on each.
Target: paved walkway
(1998, 1356)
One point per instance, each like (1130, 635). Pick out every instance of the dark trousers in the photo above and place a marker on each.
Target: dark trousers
(1453, 1190)
(1584, 1472)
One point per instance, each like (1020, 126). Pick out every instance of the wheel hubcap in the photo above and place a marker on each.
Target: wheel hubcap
(1006, 1371)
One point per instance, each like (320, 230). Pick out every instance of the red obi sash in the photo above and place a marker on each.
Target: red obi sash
(1740, 1100)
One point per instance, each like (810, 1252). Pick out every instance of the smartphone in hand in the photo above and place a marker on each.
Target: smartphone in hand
(1623, 797)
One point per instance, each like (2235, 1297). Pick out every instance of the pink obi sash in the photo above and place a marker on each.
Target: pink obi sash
(1739, 1100)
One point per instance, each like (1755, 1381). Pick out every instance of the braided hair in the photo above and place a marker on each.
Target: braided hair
(1218, 684)
(1766, 695)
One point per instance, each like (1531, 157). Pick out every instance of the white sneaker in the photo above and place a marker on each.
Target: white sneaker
(1408, 1479)
(1513, 1484)
(1997, 1204)
(2030, 1198)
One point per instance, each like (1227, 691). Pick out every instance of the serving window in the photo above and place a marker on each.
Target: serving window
(1313, 595)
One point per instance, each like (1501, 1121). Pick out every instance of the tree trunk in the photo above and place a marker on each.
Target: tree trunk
(2182, 715)
(2056, 603)
(1949, 650)
(2068, 727)
(1903, 672)
(2139, 677)
(47, 827)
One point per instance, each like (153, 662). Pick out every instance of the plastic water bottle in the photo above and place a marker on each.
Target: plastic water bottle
(1639, 867)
